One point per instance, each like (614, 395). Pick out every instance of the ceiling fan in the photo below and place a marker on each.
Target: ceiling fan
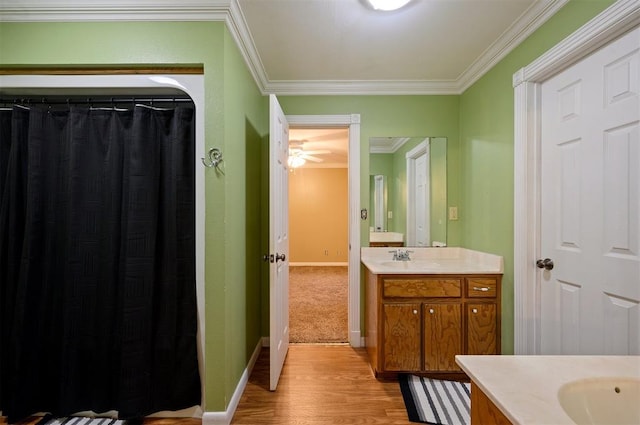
(298, 155)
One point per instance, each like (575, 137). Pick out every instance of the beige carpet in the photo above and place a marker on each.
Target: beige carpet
(318, 304)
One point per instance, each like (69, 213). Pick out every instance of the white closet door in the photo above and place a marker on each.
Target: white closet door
(590, 212)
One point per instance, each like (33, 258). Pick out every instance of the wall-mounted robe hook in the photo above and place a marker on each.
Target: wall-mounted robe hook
(215, 159)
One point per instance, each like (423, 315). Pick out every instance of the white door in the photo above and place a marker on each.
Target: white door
(422, 201)
(418, 196)
(590, 204)
(278, 240)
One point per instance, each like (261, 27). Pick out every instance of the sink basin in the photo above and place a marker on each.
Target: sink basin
(608, 401)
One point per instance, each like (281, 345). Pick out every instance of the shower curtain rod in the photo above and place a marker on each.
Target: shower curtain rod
(90, 100)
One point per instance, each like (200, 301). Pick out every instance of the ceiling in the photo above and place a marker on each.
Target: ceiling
(435, 46)
(333, 141)
(346, 47)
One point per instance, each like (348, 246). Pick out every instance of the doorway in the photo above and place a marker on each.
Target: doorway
(352, 124)
(318, 235)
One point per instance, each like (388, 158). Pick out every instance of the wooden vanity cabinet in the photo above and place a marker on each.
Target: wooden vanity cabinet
(402, 336)
(418, 323)
(442, 335)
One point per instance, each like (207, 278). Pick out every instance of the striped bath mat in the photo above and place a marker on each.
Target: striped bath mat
(436, 402)
(79, 420)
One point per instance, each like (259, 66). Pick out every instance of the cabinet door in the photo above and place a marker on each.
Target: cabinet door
(482, 328)
(442, 336)
(401, 347)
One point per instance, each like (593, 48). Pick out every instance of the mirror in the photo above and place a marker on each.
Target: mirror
(378, 193)
(408, 190)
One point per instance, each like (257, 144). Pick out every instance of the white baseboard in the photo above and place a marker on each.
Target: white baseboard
(191, 412)
(356, 339)
(224, 418)
(327, 264)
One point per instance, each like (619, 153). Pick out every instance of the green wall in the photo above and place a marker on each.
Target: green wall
(486, 145)
(246, 122)
(236, 122)
(392, 116)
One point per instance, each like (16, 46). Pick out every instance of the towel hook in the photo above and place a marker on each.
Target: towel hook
(215, 159)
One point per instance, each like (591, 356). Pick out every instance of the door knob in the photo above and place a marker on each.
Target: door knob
(546, 264)
(274, 259)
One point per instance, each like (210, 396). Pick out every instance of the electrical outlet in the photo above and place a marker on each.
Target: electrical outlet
(453, 213)
(326, 252)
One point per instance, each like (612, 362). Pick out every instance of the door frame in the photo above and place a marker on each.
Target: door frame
(421, 149)
(352, 122)
(619, 18)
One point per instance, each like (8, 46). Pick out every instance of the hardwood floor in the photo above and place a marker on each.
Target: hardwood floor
(320, 385)
(154, 421)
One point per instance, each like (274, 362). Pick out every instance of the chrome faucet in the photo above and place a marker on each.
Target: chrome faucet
(401, 254)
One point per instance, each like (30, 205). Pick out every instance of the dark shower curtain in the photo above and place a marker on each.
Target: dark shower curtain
(97, 260)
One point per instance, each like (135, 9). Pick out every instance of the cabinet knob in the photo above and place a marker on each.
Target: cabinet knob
(474, 310)
(431, 311)
(415, 311)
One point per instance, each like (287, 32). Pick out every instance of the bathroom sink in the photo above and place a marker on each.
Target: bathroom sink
(608, 401)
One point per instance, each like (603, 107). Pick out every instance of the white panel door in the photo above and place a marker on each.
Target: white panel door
(278, 240)
(590, 204)
(422, 201)
(418, 195)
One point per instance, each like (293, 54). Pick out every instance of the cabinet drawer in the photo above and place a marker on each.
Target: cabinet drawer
(421, 288)
(481, 287)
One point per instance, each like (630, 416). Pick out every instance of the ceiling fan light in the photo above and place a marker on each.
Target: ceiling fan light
(388, 5)
(295, 161)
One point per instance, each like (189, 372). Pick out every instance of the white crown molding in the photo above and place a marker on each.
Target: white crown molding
(527, 24)
(361, 87)
(113, 10)
(398, 142)
(617, 19)
(237, 25)
(230, 12)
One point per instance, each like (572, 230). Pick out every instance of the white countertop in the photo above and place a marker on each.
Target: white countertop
(445, 260)
(525, 388)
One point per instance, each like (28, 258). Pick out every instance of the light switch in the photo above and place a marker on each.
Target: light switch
(453, 213)
(390, 215)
